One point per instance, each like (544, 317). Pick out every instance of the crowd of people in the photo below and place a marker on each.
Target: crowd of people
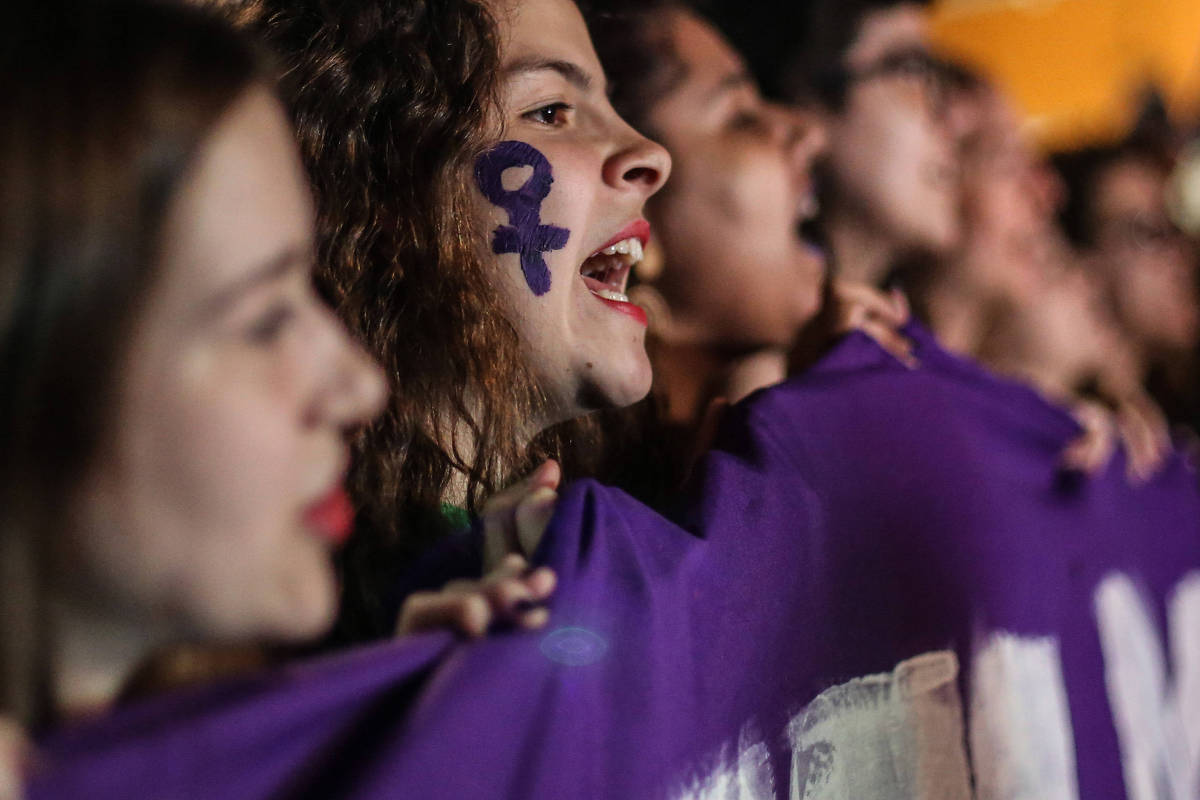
(310, 310)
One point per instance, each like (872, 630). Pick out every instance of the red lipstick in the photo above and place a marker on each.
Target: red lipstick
(332, 516)
(638, 229)
(629, 309)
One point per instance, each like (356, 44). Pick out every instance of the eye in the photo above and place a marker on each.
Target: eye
(553, 114)
(267, 328)
(747, 120)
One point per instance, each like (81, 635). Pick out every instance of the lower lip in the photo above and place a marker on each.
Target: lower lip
(332, 517)
(629, 309)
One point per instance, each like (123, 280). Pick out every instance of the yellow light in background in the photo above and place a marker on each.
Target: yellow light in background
(1076, 67)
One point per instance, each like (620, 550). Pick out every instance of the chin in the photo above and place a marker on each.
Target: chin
(303, 607)
(622, 386)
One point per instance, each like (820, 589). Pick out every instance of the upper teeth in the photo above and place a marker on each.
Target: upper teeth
(630, 247)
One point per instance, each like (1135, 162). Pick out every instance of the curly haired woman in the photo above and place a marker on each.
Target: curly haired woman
(431, 132)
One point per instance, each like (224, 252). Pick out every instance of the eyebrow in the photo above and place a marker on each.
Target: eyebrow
(573, 73)
(270, 270)
(732, 81)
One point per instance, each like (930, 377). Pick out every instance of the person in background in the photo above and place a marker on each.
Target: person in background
(1116, 215)
(733, 280)
(1013, 294)
(891, 188)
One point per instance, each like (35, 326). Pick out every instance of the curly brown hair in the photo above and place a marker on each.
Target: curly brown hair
(393, 103)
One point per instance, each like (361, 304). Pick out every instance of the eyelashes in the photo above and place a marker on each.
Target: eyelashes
(554, 115)
(268, 328)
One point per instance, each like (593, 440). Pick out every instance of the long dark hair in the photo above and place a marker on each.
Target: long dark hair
(102, 107)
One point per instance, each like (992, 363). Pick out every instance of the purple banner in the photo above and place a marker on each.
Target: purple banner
(885, 587)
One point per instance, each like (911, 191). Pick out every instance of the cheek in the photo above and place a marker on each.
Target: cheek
(516, 178)
(736, 264)
(224, 475)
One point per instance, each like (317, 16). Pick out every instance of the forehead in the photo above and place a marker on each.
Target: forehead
(243, 200)
(888, 30)
(546, 29)
(706, 56)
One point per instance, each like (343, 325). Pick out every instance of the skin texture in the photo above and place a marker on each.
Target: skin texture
(1050, 325)
(1151, 282)
(732, 283)
(552, 92)
(236, 394)
(890, 157)
(737, 275)
(524, 234)
(1005, 207)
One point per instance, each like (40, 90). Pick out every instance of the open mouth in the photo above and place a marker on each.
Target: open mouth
(606, 272)
(807, 228)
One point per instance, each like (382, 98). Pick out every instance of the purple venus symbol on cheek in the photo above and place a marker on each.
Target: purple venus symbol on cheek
(524, 234)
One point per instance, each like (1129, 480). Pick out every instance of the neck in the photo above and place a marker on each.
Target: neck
(957, 316)
(690, 376)
(859, 252)
(456, 489)
(1017, 354)
(93, 654)
(1044, 377)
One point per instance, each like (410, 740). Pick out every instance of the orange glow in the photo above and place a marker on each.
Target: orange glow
(1076, 67)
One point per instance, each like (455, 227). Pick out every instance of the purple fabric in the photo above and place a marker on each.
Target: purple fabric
(847, 520)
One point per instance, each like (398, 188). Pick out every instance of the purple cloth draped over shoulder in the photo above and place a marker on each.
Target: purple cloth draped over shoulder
(857, 517)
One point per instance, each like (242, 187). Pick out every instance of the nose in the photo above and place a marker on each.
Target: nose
(806, 136)
(637, 164)
(352, 388)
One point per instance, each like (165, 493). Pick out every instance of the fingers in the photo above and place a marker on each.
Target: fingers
(1144, 432)
(515, 519)
(879, 315)
(511, 593)
(858, 301)
(1092, 449)
(900, 300)
(514, 593)
(466, 613)
(532, 517)
(891, 340)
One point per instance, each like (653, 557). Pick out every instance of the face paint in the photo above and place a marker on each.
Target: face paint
(524, 234)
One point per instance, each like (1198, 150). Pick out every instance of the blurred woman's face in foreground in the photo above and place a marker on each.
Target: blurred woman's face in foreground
(737, 270)
(216, 497)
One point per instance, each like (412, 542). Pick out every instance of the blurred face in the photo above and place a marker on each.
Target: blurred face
(737, 271)
(1149, 265)
(563, 194)
(891, 155)
(1068, 324)
(1008, 235)
(213, 509)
